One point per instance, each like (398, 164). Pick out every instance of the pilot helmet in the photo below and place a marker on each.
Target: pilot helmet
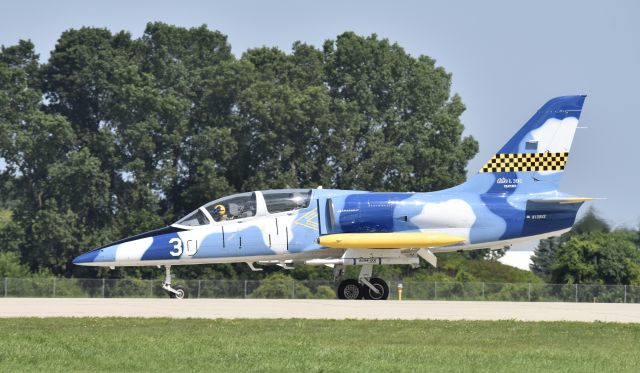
(219, 210)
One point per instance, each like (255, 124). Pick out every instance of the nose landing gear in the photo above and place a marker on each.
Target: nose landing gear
(177, 292)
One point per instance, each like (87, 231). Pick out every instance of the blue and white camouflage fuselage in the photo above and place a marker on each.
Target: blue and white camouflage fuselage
(513, 198)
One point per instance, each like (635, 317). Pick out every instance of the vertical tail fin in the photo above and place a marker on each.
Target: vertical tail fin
(533, 160)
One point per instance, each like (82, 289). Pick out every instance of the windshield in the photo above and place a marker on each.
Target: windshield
(194, 219)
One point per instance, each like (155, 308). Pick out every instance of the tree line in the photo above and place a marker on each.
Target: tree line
(114, 135)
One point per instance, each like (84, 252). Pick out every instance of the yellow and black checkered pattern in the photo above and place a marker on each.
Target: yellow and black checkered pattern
(526, 162)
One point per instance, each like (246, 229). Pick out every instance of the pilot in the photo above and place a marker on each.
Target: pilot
(219, 213)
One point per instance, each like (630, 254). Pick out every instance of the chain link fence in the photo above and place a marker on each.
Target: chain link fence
(284, 288)
(481, 291)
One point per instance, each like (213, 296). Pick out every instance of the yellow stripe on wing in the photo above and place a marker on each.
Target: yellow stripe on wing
(387, 240)
(562, 200)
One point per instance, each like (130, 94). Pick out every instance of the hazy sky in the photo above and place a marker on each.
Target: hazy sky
(507, 59)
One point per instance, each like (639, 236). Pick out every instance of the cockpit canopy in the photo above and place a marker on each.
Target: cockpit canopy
(247, 205)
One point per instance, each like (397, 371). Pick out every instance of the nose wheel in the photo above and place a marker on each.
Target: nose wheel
(177, 292)
(181, 292)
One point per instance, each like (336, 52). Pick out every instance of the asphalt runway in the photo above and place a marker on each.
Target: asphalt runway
(317, 309)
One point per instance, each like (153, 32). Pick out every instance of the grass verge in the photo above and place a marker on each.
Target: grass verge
(152, 345)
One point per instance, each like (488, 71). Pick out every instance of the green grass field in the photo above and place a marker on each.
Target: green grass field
(161, 345)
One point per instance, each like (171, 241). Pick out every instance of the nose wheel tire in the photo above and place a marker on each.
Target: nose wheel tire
(350, 289)
(181, 292)
(380, 285)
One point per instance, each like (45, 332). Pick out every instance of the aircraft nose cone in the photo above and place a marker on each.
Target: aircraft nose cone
(86, 258)
(97, 257)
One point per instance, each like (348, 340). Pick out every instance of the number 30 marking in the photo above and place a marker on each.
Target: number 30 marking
(192, 247)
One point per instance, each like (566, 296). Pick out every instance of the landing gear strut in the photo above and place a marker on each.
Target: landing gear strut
(178, 292)
(381, 292)
(365, 286)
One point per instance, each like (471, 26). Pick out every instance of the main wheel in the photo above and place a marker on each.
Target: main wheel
(380, 285)
(181, 292)
(349, 289)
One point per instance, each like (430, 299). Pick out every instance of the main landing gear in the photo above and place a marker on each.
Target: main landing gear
(178, 292)
(365, 287)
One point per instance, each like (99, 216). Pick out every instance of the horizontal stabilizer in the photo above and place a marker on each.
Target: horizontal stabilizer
(387, 240)
(562, 200)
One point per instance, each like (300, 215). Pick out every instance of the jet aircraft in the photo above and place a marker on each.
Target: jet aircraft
(513, 198)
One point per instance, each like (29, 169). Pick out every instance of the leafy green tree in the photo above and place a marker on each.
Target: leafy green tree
(464, 276)
(399, 127)
(279, 285)
(543, 257)
(10, 266)
(361, 113)
(591, 222)
(197, 80)
(598, 258)
(483, 270)
(486, 254)
(5, 217)
(30, 141)
(325, 292)
(78, 183)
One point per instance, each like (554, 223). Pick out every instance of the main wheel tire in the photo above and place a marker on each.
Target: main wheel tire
(350, 289)
(181, 292)
(381, 285)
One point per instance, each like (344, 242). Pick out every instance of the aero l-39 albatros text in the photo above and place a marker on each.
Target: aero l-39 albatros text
(513, 198)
